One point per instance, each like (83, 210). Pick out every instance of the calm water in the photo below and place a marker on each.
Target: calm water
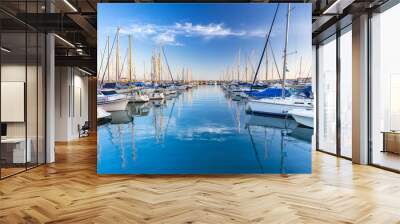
(201, 131)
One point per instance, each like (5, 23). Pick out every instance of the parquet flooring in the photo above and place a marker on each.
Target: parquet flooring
(70, 191)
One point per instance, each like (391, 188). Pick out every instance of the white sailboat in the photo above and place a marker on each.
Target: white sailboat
(281, 105)
(303, 116)
(278, 106)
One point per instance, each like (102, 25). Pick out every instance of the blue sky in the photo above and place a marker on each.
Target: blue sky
(207, 37)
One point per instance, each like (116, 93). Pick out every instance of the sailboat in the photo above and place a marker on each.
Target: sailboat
(280, 106)
(108, 99)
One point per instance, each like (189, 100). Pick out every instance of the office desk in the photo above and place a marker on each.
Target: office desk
(391, 141)
(16, 147)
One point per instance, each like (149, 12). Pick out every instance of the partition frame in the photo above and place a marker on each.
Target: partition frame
(337, 34)
(44, 101)
(382, 8)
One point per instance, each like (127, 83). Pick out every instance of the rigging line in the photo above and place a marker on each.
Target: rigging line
(265, 47)
(255, 150)
(276, 65)
(309, 73)
(102, 57)
(123, 64)
(169, 70)
(108, 57)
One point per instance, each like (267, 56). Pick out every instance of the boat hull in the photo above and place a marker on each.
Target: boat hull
(116, 105)
(156, 96)
(305, 118)
(139, 99)
(272, 108)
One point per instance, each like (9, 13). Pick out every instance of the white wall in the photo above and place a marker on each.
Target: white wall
(71, 103)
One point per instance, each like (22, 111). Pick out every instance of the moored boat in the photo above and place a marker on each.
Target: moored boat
(156, 95)
(304, 117)
(278, 106)
(110, 101)
(138, 97)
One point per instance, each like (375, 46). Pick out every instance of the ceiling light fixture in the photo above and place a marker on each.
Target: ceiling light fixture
(64, 40)
(70, 5)
(5, 50)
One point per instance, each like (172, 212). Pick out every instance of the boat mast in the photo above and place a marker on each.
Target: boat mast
(301, 61)
(246, 69)
(130, 57)
(284, 52)
(159, 66)
(144, 70)
(266, 64)
(117, 58)
(153, 68)
(238, 66)
(108, 58)
(166, 61)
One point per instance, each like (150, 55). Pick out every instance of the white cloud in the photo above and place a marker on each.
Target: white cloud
(166, 38)
(209, 30)
(140, 29)
(168, 34)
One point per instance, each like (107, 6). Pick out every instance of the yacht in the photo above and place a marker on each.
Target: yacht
(110, 100)
(156, 95)
(303, 116)
(278, 106)
(138, 97)
(169, 92)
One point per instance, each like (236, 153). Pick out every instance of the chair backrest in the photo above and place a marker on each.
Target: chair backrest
(86, 125)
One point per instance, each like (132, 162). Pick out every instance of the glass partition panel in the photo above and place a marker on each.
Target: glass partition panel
(346, 93)
(41, 98)
(327, 96)
(23, 88)
(385, 89)
(31, 98)
(14, 154)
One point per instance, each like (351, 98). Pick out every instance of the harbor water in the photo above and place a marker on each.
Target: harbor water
(201, 131)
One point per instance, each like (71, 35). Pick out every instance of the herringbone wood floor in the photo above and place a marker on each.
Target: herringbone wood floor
(70, 191)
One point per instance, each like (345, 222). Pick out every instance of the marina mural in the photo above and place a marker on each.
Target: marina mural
(204, 88)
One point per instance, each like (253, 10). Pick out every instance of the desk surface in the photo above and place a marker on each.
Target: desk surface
(391, 132)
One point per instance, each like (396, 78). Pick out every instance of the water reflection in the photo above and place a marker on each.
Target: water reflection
(201, 131)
